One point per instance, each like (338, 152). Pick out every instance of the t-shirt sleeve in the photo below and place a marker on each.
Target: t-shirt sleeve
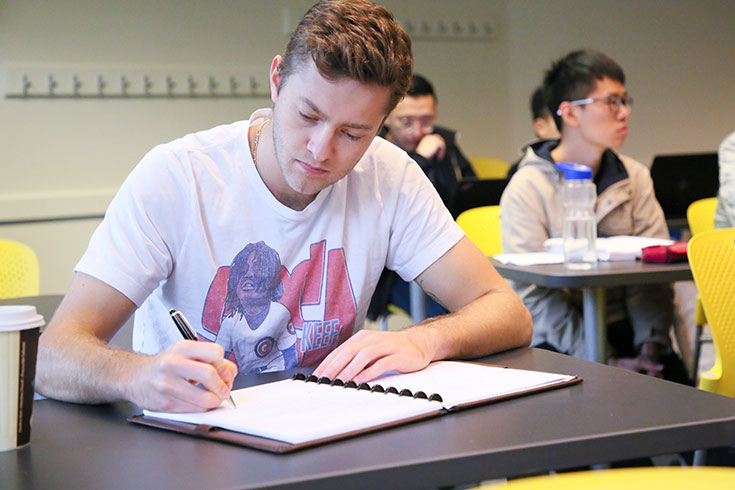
(132, 250)
(422, 229)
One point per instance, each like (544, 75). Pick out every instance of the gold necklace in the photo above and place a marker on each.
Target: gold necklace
(255, 143)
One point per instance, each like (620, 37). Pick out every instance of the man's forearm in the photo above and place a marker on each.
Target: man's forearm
(494, 322)
(83, 369)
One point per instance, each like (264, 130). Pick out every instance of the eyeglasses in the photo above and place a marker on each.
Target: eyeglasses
(614, 102)
(426, 123)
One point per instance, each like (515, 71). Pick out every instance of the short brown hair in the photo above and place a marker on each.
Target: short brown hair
(352, 39)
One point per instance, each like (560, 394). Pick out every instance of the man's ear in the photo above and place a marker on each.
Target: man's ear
(568, 114)
(274, 77)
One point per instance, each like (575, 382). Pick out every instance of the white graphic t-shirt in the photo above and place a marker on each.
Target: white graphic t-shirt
(194, 228)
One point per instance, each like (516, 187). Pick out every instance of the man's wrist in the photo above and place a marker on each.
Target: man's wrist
(427, 339)
(131, 371)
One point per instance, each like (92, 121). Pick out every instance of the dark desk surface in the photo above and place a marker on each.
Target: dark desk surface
(607, 274)
(612, 415)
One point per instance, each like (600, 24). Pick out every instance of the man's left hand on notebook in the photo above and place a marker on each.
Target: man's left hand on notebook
(370, 353)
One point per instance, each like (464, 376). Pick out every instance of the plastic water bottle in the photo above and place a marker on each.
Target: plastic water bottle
(580, 227)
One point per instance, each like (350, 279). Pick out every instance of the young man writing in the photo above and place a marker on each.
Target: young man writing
(309, 180)
(585, 91)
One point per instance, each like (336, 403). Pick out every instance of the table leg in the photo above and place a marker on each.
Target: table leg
(595, 339)
(418, 302)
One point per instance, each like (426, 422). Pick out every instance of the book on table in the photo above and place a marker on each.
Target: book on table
(271, 416)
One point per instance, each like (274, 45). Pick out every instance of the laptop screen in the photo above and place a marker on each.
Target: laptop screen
(679, 180)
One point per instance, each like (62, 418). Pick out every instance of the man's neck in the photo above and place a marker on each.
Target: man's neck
(584, 154)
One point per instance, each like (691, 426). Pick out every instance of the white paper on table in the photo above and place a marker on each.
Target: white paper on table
(614, 248)
(532, 258)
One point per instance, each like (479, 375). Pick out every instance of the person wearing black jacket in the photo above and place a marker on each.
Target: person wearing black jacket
(411, 127)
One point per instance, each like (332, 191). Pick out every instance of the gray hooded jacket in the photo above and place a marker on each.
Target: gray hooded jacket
(531, 211)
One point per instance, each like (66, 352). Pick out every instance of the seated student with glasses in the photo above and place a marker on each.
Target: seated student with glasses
(410, 126)
(585, 91)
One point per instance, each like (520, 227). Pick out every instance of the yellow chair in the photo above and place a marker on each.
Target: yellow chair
(712, 258)
(482, 226)
(700, 217)
(646, 478)
(490, 168)
(19, 272)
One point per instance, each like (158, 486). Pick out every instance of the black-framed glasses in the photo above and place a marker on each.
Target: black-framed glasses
(614, 102)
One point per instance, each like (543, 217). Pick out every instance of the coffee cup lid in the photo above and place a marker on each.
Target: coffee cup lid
(19, 317)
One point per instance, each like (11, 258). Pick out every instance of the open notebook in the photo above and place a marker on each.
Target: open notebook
(271, 416)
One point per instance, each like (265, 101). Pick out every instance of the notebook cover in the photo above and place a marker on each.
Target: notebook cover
(275, 446)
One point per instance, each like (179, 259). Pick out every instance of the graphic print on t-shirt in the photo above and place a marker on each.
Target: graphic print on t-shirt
(268, 319)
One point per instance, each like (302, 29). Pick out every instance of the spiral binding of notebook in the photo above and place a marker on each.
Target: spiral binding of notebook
(374, 388)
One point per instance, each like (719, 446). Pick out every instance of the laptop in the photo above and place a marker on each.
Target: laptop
(679, 180)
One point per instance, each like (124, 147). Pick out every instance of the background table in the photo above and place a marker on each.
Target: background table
(593, 283)
(612, 415)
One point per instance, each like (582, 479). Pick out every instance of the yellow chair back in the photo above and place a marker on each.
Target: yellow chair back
(482, 226)
(712, 258)
(649, 478)
(19, 272)
(701, 215)
(490, 168)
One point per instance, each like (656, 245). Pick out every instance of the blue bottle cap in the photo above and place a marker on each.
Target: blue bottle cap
(574, 171)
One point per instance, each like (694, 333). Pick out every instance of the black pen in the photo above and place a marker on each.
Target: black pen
(186, 331)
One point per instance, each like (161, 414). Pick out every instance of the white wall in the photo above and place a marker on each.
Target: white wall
(67, 157)
(677, 56)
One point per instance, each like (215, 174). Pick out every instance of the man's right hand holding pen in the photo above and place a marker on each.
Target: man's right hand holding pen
(77, 364)
(188, 376)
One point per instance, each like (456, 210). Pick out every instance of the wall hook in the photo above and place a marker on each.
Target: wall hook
(101, 84)
(124, 85)
(52, 84)
(170, 86)
(76, 85)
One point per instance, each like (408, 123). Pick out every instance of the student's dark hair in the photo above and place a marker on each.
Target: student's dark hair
(420, 86)
(575, 76)
(538, 104)
(352, 39)
(266, 270)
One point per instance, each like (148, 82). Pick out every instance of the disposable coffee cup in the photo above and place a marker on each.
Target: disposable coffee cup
(20, 327)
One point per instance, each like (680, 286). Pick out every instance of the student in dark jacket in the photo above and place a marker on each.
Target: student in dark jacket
(411, 127)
